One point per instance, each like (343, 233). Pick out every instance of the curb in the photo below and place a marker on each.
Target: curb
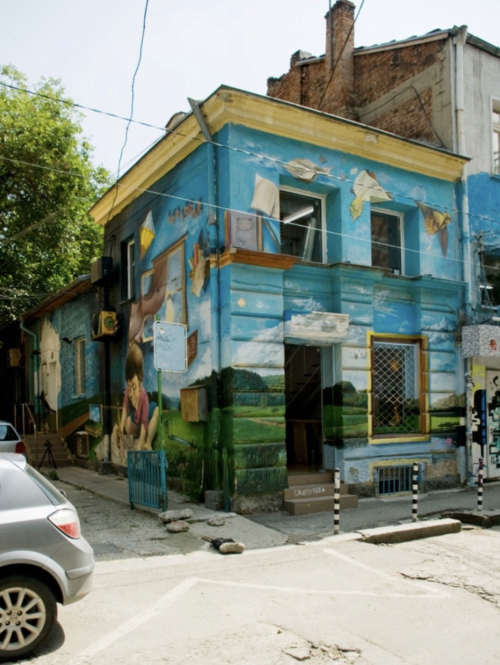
(485, 519)
(405, 532)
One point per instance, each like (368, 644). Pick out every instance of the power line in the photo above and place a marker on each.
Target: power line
(132, 99)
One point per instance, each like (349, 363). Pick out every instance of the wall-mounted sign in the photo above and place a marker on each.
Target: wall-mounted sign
(170, 348)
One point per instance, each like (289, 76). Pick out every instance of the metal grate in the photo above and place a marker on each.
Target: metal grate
(393, 479)
(395, 393)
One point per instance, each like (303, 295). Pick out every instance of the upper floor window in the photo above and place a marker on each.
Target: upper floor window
(496, 139)
(387, 241)
(128, 270)
(80, 366)
(301, 225)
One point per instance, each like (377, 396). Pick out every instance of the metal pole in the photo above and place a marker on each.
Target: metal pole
(480, 486)
(336, 501)
(414, 503)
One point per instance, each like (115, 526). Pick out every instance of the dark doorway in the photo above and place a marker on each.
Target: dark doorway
(304, 431)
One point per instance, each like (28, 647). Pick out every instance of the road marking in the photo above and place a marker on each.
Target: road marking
(172, 596)
(142, 617)
(431, 592)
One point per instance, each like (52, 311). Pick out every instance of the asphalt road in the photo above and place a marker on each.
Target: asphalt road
(433, 601)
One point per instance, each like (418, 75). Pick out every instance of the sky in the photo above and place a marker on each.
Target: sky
(190, 48)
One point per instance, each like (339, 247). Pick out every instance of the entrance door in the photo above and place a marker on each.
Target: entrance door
(304, 426)
(492, 452)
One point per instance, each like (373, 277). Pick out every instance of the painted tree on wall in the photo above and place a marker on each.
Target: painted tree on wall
(47, 184)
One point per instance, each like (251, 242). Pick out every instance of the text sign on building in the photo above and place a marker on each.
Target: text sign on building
(170, 348)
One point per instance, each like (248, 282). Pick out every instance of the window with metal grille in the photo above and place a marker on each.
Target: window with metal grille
(80, 373)
(393, 479)
(395, 388)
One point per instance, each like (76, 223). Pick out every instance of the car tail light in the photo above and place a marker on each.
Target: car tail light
(66, 520)
(20, 448)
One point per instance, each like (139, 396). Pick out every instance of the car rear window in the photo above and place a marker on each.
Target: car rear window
(19, 491)
(8, 433)
(51, 492)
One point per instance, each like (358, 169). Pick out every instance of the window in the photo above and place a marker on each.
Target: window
(128, 270)
(490, 279)
(396, 387)
(496, 139)
(386, 241)
(80, 374)
(301, 226)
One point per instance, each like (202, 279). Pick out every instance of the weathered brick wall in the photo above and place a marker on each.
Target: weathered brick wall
(302, 84)
(378, 73)
(408, 118)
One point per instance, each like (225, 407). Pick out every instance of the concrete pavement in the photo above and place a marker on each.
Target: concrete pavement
(383, 519)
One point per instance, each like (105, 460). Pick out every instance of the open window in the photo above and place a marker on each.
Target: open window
(301, 225)
(128, 270)
(496, 138)
(387, 241)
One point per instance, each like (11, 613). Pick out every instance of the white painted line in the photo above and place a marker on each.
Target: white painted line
(375, 571)
(141, 618)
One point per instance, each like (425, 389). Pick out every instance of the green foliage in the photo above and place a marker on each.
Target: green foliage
(47, 185)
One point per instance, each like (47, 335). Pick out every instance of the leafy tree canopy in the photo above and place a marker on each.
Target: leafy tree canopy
(47, 185)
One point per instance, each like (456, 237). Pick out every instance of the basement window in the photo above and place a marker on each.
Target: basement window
(301, 225)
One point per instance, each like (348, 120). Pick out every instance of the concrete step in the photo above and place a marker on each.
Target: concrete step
(315, 490)
(319, 504)
(309, 478)
(36, 450)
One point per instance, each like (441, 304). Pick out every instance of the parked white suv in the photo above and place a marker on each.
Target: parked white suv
(43, 558)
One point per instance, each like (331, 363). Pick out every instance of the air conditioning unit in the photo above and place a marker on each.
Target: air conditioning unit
(101, 270)
(14, 358)
(107, 323)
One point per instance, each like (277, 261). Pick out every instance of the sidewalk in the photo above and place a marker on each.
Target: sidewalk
(273, 529)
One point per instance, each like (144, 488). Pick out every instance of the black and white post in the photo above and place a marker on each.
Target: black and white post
(480, 485)
(414, 503)
(336, 501)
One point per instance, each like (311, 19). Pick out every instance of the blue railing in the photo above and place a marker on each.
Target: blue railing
(147, 478)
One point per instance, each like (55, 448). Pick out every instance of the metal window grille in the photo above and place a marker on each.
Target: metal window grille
(80, 373)
(393, 479)
(395, 388)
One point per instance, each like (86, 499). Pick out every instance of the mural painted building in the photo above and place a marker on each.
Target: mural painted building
(442, 89)
(317, 267)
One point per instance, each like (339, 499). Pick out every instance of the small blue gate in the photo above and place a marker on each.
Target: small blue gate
(147, 478)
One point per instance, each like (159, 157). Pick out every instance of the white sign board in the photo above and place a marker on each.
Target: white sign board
(170, 347)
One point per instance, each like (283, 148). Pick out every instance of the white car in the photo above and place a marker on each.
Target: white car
(10, 441)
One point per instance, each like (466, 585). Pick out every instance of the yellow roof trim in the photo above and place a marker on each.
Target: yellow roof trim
(228, 105)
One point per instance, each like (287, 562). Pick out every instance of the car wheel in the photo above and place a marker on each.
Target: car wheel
(28, 611)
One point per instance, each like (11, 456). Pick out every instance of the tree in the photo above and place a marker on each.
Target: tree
(47, 185)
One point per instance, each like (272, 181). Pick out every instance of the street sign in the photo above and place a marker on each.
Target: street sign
(170, 347)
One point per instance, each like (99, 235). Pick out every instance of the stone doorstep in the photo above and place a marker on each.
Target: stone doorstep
(310, 478)
(319, 504)
(316, 490)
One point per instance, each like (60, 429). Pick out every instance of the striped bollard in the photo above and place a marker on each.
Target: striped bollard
(336, 501)
(480, 485)
(414, 503)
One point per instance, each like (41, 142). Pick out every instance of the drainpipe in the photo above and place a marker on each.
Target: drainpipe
(459, 42)
(213, 226)
(33, 375)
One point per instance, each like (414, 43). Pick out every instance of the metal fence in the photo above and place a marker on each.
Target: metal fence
(147, 478)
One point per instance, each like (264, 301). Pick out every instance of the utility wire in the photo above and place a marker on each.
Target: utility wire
(132, 98)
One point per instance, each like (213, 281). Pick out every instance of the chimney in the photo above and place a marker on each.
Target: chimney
(338, 97)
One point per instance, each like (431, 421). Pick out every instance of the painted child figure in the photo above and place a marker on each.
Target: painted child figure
(139, 416)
